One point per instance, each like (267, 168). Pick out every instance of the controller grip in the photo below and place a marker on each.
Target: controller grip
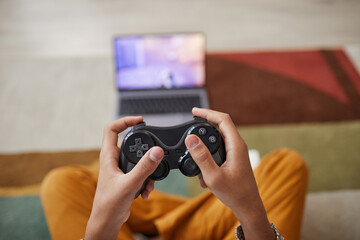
(220, 156)
(126, 167)
(142, 188)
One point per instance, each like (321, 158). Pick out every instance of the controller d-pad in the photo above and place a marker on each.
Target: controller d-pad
(139, 153)
(136, 145)
(139, 147)
(133, 148)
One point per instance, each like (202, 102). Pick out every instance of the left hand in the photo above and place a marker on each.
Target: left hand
(115, 190)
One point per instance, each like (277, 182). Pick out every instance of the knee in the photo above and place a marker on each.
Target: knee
(286, 161)
(65, 179)
(56, 177)
(293, 157)
(292, 162)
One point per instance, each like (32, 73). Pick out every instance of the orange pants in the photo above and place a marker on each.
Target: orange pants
(67, 194)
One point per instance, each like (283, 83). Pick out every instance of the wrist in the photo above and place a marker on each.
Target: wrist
(253, 218)
(101, 227)
(246, 202)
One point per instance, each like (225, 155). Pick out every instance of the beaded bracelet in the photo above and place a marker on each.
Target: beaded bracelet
(239, 233)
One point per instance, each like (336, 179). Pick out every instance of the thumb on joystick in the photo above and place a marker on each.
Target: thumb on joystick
(201, 155)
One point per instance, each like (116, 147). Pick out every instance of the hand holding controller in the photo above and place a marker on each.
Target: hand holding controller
(233, 183)
(172, 140)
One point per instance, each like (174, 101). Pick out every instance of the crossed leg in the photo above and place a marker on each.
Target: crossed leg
(67, 195)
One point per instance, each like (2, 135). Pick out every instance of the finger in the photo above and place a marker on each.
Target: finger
(150, 185)
(201, 155)
(224, 122)
(145, 194)
(109, 149)
(111, 131)
(202, 182)
(146, 166)
(148, 189)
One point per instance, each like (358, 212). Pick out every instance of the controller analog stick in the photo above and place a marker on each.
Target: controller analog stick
(189, 168)
(161, 171)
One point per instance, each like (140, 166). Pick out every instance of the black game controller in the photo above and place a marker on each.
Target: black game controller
(172, 140)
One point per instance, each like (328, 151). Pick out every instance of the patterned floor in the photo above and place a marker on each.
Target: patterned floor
(284, 86)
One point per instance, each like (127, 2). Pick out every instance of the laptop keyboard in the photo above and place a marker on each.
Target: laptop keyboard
(163, 104)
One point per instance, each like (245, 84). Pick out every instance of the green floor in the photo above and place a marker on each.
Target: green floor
(22, 218)
(331, 150)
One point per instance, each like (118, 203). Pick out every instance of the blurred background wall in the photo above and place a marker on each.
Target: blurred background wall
(56, 72)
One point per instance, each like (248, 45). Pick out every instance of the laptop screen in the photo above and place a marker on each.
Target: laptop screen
(160, 61)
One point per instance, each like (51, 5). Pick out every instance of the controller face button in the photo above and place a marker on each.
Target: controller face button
(212, 139)
(202, 131)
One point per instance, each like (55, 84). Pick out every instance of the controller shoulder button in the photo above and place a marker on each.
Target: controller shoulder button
(139, 125)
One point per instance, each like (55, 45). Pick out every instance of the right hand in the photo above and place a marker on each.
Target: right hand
(233, 182)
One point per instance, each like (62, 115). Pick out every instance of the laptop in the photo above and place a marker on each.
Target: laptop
(160, 76)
